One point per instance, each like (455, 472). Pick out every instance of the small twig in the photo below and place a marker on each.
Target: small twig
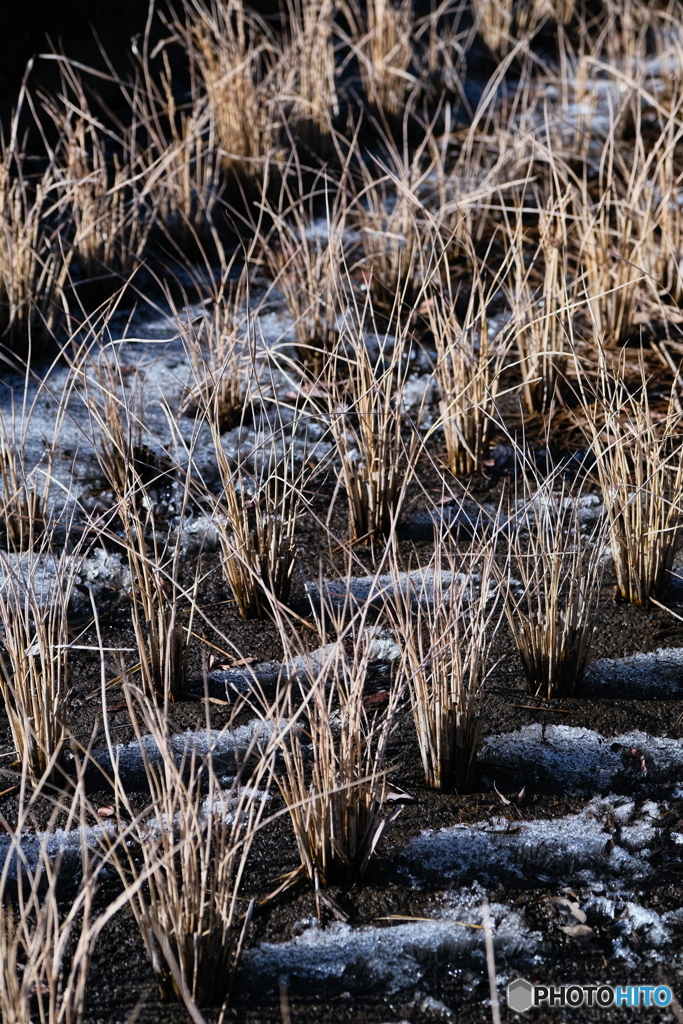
(530, 707)
(490, 961)
(289, 879)
(113, 682)
(406, 917)
(284, 1002)
(665, 609)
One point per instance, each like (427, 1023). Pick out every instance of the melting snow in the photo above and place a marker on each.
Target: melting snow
(395, 957)
(659, 674)
(583, 760)
(608, 835)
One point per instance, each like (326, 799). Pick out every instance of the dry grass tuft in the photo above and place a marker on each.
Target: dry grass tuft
(640, 469)
(306, 256)
(446, 620)
(385, 50)
(106, 223)
(559, 566)
(236, 58)
(182, 859)
(364, 395)
(336, 803)
(45, 950)
(220, 347)
(133, 471)
(34, 600)
(541, 315)
(256, 514)
(33, 268)
(468, 372)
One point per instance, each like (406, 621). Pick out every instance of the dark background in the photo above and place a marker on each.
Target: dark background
(28, 27)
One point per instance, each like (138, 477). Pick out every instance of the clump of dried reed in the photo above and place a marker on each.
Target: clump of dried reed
(133, 470)
(256, 514)
(45, 948)
(305, 257)
(33, 267)
(364, 398)
(446, 617)
(24, 492)
(107, 225)
(26, 486)
(182, 859)
(35, 592)
(220, 347)
(468, 373)
(398, 247)
(554, 575)
(540, 316)
(336, 803)
(309, 88)
(177, 150)
(384, 48)
(495, 23)
(640, 468)
(236, 57)
(502, 23)
(616, 230)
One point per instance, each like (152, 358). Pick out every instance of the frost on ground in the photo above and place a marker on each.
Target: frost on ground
(631, 925)
(583, 760)
(224, 743)
(658, 674)
(360, 590)
(65, 847)
(396, 957)
(608, 837)
(43, 575)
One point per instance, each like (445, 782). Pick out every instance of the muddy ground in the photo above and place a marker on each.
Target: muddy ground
(448, 984)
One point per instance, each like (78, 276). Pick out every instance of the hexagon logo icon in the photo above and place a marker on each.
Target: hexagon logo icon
(520, 995)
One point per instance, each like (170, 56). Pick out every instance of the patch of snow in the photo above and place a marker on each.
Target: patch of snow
(355, 590)
(658, 674)
(583, 760)
(397, 957)
(130, 758)
(575, 846)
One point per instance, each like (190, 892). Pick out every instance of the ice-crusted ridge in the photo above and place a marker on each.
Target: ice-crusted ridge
(608, 837)
(382, 649)
(395, 957)
(657, 674)
(582, 759)
(130, 758)
(67, 845)
(360, 590)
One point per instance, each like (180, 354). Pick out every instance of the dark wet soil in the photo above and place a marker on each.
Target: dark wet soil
(122, 986)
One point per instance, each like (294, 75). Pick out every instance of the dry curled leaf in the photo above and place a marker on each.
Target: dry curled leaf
(394, 797)
(577, 931)
(503, 798)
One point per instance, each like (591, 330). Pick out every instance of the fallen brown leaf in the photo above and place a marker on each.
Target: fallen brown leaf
(381, 697)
